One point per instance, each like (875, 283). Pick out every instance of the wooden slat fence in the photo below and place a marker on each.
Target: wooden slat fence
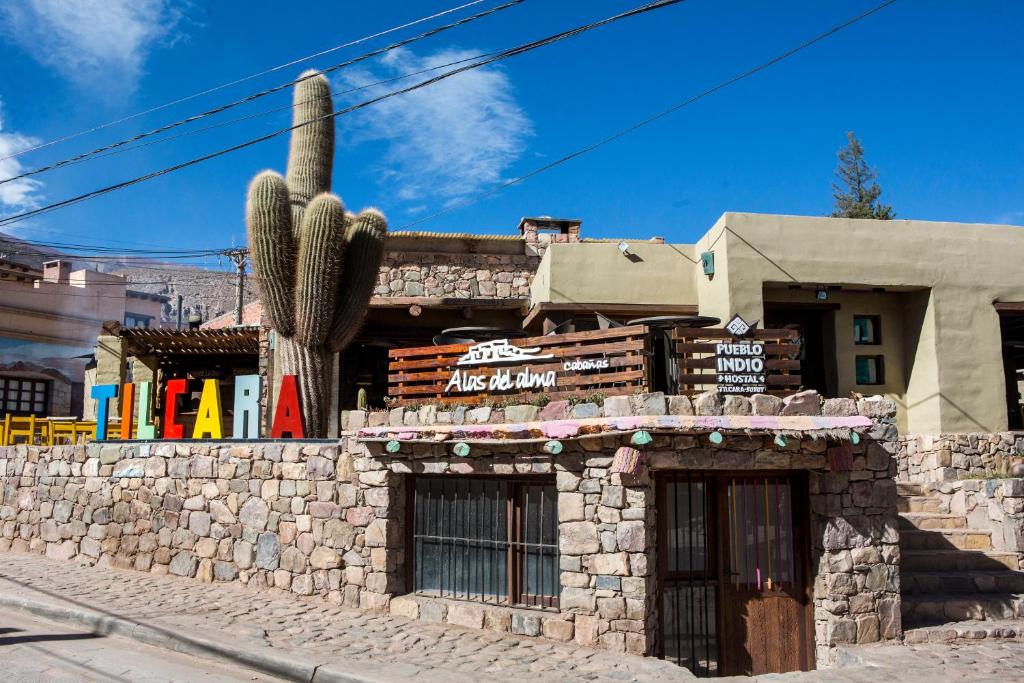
(420, 374)
(694, 355)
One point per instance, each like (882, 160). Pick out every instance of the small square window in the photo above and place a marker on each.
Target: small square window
(870, 370)
(867, 329)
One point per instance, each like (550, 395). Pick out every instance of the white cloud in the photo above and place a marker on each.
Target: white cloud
(91, 42)
(447, 140)
(17, 195)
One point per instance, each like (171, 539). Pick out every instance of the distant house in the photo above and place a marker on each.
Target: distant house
(49, 321)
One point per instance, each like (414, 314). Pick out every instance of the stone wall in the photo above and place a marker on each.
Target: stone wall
(456, 275)
(329, 519)
(926, 458)
(995, 505)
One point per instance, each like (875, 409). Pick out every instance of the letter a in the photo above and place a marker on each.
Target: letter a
(287, 413)
(208, 419)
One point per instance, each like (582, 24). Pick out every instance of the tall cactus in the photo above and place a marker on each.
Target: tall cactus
(316, 264)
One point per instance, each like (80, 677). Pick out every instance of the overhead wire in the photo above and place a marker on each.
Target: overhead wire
(265, 112)
(505, 54)
(262, 93)
(651, 119)
(229, 84)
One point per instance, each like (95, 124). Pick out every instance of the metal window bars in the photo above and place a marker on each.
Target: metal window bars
(486, 539)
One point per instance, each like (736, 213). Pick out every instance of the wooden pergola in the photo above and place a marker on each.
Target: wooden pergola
(231, 340)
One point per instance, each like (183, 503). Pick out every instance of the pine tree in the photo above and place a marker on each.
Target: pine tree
(859, 197)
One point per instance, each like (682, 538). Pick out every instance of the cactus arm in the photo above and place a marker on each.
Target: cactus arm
(272, 248)
(364, 239)
(321, 249)
(311, 154)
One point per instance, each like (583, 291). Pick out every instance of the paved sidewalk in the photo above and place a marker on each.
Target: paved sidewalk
(306, 639)
(34, 649)
(333, 642)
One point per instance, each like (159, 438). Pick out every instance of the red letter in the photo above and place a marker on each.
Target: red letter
(172, 428)
(287, 414)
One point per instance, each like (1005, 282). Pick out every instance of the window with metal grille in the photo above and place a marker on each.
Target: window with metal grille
(23, 396)
(486, 539)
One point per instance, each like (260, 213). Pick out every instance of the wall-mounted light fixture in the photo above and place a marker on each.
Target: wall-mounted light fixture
(624, 248)
(707, 261)
(822, 293)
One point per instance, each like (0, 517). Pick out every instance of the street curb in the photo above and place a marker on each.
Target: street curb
(259, 658)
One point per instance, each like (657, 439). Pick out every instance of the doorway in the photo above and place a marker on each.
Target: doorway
(815, 324)
(1011, 331)
(733, 573)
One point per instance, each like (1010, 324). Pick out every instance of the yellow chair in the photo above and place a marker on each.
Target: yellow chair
(86, 431)
(16, 426)
(62, 431)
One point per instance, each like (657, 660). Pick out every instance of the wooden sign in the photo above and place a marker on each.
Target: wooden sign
(740, 363)
(736, 361)
(614, 361)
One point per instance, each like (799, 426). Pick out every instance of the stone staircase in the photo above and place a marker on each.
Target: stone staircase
(949, 572)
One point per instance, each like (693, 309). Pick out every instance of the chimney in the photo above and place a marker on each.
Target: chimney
(544, 230)
(57, 272)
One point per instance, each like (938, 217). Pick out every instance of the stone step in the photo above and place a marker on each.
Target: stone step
(931, 520)
(978, 581)
(905, 488)
(918, 504)
(946, 539)
(957, 560)
(937, 608)
(971, 631)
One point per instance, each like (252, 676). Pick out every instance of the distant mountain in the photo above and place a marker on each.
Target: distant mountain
(207, 292)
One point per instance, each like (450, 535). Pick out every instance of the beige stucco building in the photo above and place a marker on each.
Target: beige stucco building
(936, 303)
(49, 322)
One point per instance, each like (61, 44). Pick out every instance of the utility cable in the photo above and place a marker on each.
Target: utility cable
(257, 95)
(651, 119)
(505, 54)
(249, 117)
(240, 80)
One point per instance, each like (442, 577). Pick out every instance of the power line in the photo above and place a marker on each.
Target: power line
(651, 119)
(265, 112)
(263, 93)
(505, 54)
(241, 80)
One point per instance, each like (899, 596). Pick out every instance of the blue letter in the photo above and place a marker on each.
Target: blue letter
(246, 423)
(102, 393)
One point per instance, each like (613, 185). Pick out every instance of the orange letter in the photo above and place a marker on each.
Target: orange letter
(127, 399)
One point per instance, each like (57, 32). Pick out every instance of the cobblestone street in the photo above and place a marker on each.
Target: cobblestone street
(390, 647)
(381, 647)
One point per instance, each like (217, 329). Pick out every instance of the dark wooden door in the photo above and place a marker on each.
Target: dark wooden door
(734, 573)
(765, 616)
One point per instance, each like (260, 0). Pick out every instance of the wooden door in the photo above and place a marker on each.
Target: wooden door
(765, 623)
(733, 573)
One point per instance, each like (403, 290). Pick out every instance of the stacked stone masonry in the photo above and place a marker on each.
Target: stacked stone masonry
(460, 276)
(992, 506)
(948, 457)
(329, 519)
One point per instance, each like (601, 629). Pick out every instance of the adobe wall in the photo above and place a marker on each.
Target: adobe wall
(329, 519)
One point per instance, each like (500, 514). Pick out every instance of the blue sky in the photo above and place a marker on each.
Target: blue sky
(934, 90)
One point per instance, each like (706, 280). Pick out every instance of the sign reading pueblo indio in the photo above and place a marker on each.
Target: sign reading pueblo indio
(740, 363)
